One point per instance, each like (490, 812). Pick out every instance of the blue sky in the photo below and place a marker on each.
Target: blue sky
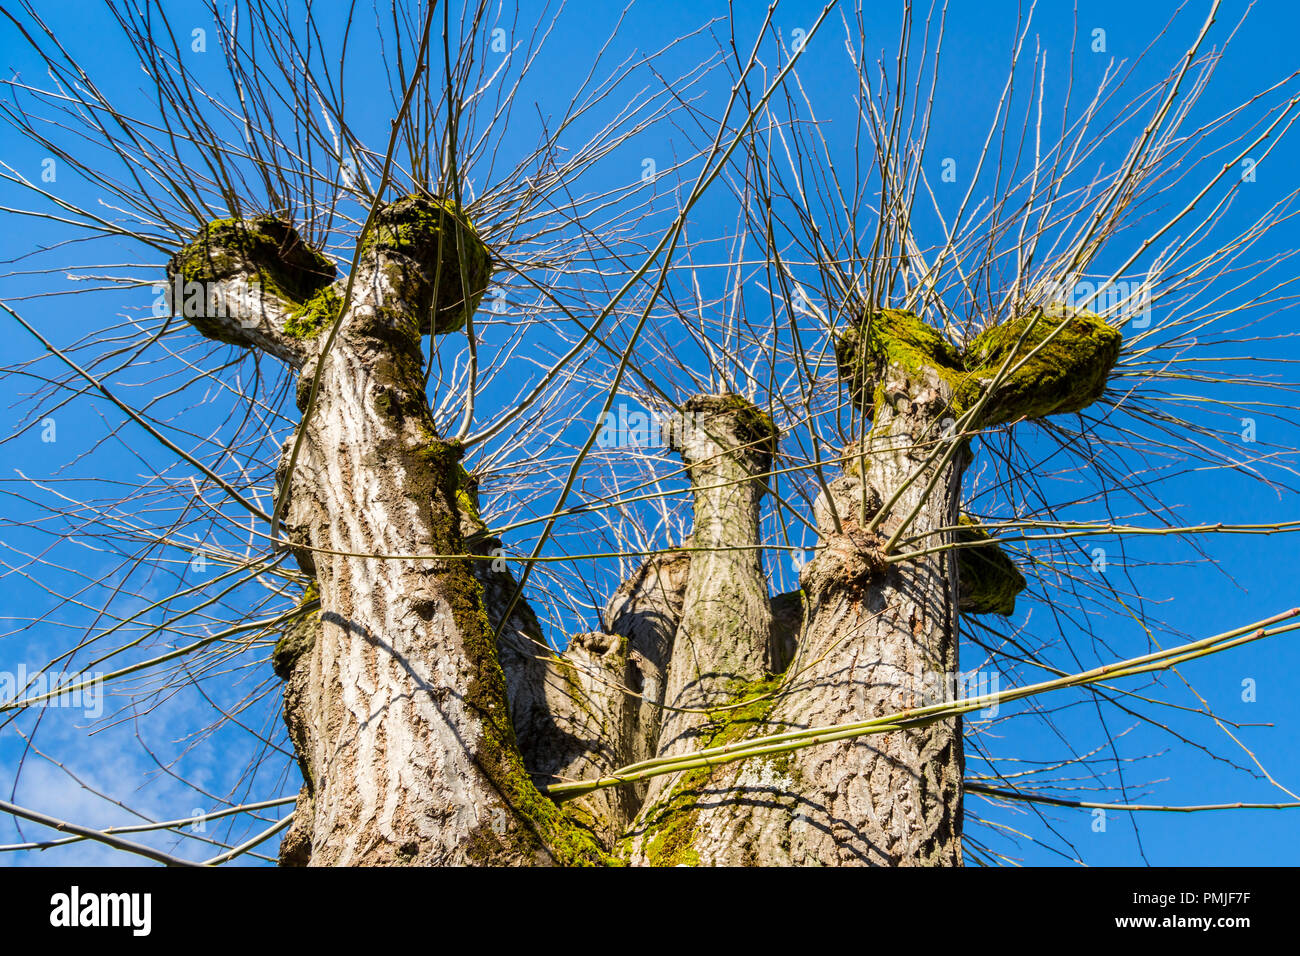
(1197, 599)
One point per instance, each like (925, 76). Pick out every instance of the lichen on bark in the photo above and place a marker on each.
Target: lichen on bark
(666, 836)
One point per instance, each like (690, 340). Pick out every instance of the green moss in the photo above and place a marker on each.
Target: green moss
(756, 426)
(436, 481)
(265, 246)
(307, 321)
(437, 235)
(547, 828)
(894, 336)
(988, 580)
(467, 502)
(670, 835)
(1066, 375)
(301, 635)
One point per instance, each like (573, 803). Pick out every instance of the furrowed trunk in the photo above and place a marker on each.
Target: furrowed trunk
(410, 755)
(723, 643)
(877, 638)
(395, 698)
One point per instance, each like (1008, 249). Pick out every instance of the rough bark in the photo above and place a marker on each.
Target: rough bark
(406, 736)
(596, 707)
(723, 644)
(573, 715)
(421, 717)
(295, 647)
(877, 639)
(646, 611)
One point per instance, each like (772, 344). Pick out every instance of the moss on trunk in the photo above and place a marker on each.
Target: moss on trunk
(1067, 374)
(438, 236)
(988, 581)
(265, 246)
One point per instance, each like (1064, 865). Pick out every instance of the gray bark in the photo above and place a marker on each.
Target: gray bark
(421, 730)
(877, 637)
(400, 703)
(646, 611)
(723, 640)
(723, 644)
(595, 707)
(573, 714)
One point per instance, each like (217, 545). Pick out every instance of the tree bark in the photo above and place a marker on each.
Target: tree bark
(400, 701)
(646, 611)
(878, 638)
(424, 717)
(723, 639)
(723, 644)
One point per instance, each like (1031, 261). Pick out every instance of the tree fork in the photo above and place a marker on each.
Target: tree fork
(401, 698)
(573, 714)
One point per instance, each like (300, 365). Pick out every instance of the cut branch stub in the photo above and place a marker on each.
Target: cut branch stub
(723, 641)
(1066, 374)
(717, 427)
(646, 610)
(988, 580)
(571, 715)
(239, 281)
(876, 637)
(451, 262)
(264, 246)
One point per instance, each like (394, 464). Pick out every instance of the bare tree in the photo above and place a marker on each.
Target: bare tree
(500, 568)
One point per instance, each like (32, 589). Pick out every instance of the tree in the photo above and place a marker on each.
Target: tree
(891, 384)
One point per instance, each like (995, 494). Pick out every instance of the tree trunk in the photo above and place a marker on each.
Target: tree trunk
(877, 638)
(646, 611)
(723, 641)
(422, 716)
(400, 703)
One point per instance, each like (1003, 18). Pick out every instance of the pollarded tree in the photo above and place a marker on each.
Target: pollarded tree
(692, 716)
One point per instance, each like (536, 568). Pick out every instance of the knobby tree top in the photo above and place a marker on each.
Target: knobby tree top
(615, 439)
